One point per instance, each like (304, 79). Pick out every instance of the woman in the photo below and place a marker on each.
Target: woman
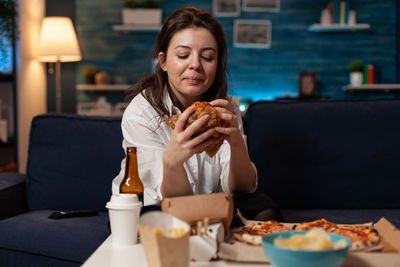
(192, 55)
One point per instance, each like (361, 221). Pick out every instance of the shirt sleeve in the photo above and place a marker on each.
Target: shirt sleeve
(143, 132)
(225, 154)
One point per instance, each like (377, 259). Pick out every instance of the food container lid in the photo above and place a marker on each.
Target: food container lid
(123, 201)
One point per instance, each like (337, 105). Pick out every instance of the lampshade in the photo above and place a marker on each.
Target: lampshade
(58, 41)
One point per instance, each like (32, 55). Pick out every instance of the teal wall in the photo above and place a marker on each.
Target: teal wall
(254, 73)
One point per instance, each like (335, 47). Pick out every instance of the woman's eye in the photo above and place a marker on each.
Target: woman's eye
(183, 57)
(208, 59)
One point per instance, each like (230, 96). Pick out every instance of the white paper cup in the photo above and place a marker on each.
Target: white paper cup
(124, 212)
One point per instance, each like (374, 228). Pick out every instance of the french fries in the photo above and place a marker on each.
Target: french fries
(174, 232)
(201, 227)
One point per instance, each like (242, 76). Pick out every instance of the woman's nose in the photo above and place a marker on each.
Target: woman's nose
(195, 63)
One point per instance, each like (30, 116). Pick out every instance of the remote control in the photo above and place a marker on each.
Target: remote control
(72, 213)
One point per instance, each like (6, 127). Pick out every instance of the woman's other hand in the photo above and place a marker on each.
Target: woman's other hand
(242, 172)
(232, 132)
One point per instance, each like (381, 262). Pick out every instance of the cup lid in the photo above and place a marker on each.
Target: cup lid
(123, 201)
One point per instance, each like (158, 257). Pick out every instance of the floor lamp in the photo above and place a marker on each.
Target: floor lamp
(58, 43)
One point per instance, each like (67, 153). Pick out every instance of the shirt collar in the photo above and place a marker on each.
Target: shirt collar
(168, 103)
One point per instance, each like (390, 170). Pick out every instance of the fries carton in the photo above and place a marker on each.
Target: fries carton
(217, 207)
(165, 240)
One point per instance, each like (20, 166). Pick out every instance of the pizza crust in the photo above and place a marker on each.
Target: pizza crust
(254, 240)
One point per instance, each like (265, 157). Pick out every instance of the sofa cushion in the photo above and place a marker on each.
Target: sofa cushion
(347, 216)
(12, 258)
(72, 161)
(326, 154)
(12, 194)
(72, 239)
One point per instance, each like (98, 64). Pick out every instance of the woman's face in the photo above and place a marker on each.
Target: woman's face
(191, 62)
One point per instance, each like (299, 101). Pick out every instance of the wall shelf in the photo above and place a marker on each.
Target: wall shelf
(103, 87)
(131, 27)
(373, 88)
(338, 27)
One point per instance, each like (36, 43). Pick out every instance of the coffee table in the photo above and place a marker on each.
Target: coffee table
(109, 255)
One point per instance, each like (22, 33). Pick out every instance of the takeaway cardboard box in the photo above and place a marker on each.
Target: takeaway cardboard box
(389, 256)
(218, 208)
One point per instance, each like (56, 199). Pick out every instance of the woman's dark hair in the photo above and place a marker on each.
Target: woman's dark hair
(152, 86)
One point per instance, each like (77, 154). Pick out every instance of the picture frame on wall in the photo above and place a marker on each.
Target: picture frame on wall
(262, 5)
(307, 85)
(252, 34)
(226, 8)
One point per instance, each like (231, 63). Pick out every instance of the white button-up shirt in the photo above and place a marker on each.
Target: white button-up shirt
(143, 128)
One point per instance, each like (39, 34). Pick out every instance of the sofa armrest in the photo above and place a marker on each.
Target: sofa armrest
(12, 194)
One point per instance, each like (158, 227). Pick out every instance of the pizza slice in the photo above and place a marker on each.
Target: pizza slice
(253, 233)
(363, 237)
(202, 109)
(322, 223)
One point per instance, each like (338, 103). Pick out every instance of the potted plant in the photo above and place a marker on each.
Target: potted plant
(89, 73)
(356, 72)
(142, 12)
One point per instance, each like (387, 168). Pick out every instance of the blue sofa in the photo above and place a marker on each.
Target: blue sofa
(331, 159)
(71, 162)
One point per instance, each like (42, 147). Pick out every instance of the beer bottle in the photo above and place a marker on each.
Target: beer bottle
(131, 183)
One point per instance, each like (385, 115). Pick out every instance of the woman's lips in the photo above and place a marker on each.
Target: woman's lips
(194, 80)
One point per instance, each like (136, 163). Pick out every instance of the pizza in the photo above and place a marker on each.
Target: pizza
(263, 228)
(322, 223)
(253, 233)
(202, 109)
(363, 237)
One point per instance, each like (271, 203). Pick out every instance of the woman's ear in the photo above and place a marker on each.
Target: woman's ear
(161, 60)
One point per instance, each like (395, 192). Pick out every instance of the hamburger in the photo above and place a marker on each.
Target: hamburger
(202, 109)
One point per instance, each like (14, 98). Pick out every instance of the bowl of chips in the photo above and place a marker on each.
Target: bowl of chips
(306, 248)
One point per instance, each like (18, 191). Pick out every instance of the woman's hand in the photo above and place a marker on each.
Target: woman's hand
(242, 173)
(182, 144)
(232, 132)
